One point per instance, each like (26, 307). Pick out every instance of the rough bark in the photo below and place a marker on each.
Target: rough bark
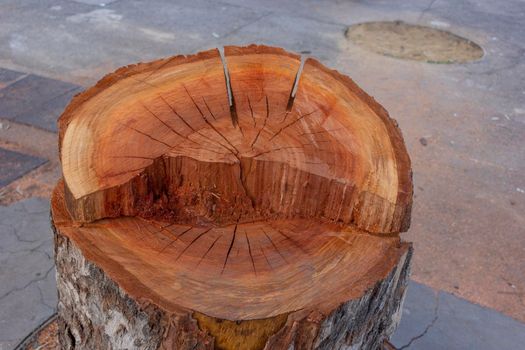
(95, 313)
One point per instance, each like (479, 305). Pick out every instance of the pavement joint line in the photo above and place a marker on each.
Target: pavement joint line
(95, 6)
(22, 76)
(425, 10)
(26, 71)
(43, 103)
(291, 14)
(318, 20)
(21, 240)
(235, 30)
(42, 301)
(18, 164)
(31, 250)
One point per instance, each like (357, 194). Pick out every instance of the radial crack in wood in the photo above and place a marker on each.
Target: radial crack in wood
(336, 154)
(259, 220)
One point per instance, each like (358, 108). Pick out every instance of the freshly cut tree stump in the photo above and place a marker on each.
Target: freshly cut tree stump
(241, 205)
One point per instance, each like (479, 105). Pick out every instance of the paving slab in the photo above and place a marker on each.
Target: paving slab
(336, 11)
(101, 3)
(36, 101)
(8, 76)
(14, 165)
(186, 22)
(438, 320)
(45, 116)
(303, 35)
(80, 42)
(27, 275)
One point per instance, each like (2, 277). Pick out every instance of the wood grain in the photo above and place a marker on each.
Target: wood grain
(213, 190)
(157, 135)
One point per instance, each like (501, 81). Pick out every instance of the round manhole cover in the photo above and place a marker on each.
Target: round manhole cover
(413, 42)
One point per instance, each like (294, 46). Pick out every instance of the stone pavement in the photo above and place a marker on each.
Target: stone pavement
(27, 275)
(435, 320)
(36, 100)
(15, 165)
(468, 217)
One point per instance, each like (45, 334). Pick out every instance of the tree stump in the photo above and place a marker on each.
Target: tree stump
(230, 203)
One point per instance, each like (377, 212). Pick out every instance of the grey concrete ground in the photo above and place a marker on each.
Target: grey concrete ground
(27, 274)
(468, 216)
(435, 320)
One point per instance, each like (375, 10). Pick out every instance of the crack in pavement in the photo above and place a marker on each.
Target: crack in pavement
(17, 289)
(42, 299)
(31, 250)
(428, 8)
(19, 237)
(427, 328)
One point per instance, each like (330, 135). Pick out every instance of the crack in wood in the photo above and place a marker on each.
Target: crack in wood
(147, 135)
(210, 125)
(167, 246)
(124, 172)
(243, 176)
(294, 242)
(144, 221)
(266, 258)
(209, 249)
(194, 103)
(177, 114)
(215, 129)
(292, 123)
(250, 251)
(191, 243)
(177, 237)
(139, 229)
(275, 247)
(171, 59)
(276, 149)
(208, 108)
(322, 131)
(189, 126)
(166, 124)
(205, 149)
(264, 123)
(184, 232)
(231, 245)
(134, 157)
(251, 110)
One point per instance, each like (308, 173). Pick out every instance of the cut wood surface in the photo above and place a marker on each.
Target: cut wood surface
(247, 192)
